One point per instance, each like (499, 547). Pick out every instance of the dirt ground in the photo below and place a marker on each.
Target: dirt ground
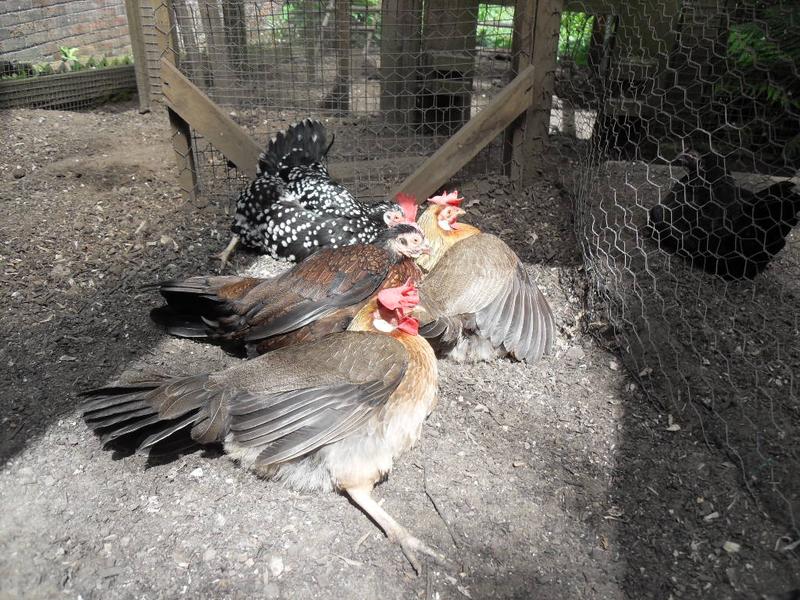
(552, 481)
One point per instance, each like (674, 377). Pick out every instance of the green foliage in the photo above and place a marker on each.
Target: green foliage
(69, 56)
(370, 17)
(495, 23)
(495, 30)
(575, 36)
(763, 56)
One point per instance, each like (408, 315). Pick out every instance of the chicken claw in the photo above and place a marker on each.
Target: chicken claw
(410, 545)
(396, 533)
(225, 255)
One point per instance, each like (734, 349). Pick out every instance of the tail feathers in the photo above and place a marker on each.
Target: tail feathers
(196, 309)
(783, 199)
(141, 416)
(200, 295)
(223, 330)
(303, 144)
(179, 324)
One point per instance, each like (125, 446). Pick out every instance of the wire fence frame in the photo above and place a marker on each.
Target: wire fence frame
(389, 105)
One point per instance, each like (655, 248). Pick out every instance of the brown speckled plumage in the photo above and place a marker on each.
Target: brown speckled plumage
(312, 299)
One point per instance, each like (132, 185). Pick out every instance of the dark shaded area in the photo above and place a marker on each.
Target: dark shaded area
(89, 222)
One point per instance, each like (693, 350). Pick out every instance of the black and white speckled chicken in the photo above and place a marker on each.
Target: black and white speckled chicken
(293, 207)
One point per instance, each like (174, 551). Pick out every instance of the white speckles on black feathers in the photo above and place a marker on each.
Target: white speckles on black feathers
(294, 208)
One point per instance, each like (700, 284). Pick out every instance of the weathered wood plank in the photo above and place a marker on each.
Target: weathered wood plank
(536, 31)
(139, 53)
(479, 131)
(208, 119)
(181, 133)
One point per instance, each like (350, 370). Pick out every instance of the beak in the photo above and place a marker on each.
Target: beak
(459, 212)
(426, 248)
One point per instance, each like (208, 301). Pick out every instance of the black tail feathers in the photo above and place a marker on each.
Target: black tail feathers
(194, 310)
(162, 413)
(303, 144)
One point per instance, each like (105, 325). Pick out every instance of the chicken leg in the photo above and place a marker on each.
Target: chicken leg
(396, 533)
(226, 254)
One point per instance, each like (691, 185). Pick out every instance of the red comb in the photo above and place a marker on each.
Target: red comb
(446, 199)
(408, 204)
(401, 297)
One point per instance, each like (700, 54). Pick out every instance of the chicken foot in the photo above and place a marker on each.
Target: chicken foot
(397, 534)
(226, 254)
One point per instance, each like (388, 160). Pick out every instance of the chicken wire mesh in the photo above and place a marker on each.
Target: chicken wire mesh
(641, 89)
(686, 115)
(392, 81)
(80, 90)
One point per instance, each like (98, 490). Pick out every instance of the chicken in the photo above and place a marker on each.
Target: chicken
(331, 414)
(293, 207)
(318, 296)
(476, 298)
(718, 226)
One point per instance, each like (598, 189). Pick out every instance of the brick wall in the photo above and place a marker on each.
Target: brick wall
(33, 30)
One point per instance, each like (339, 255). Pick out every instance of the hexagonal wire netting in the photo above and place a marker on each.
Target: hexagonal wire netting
(693, 105)
(693, 108)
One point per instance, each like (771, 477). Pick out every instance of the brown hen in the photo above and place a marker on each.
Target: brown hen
(325, 415)
(318, 296)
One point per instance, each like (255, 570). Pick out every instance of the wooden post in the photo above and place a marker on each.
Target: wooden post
(401, 30)
(234, 21)
(448, 64)
(187, 28)
(181, 134)
(338, 99)
(536, 29)
(215, 42)
(139, 54)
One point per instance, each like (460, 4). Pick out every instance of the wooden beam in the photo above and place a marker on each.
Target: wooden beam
(479, 131)
(401, 29)
(139, 53)
(209, 120)
(181, 134)
(536, 31)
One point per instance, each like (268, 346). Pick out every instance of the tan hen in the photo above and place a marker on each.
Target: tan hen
(477, 298)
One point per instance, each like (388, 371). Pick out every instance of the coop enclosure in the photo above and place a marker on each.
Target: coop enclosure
(392, 80)
(620, 89)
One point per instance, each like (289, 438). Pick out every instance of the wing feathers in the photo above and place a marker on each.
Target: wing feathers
(480, 283)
